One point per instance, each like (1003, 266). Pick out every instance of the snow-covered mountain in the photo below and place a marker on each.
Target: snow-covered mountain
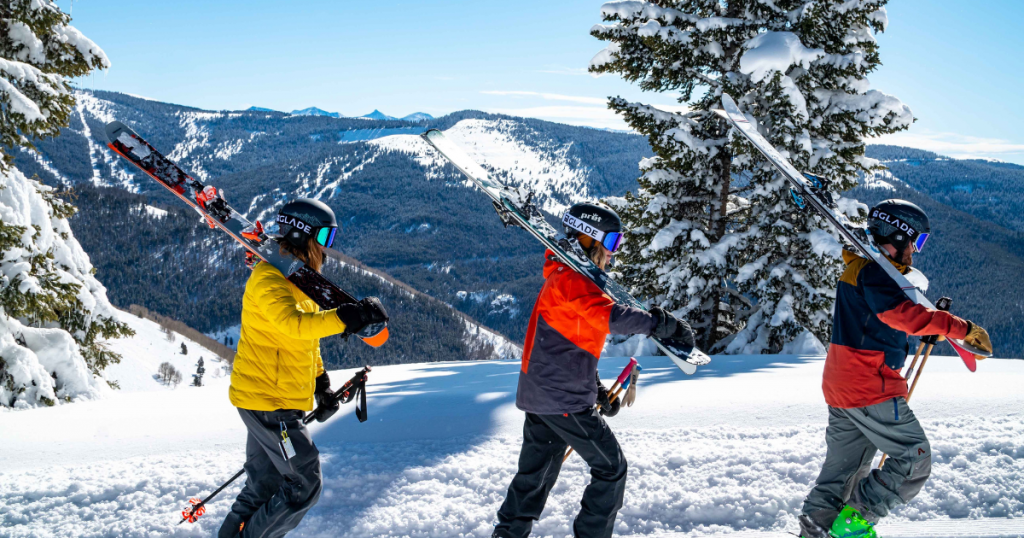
(407, 213)
(377, 115)
(314, 111)
(417, 116)
(729, 452)
(440, 243)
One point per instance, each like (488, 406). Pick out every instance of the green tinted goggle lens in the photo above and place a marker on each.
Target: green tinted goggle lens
(326, 236)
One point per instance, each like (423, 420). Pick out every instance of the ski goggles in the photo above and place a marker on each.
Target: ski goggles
(610, 240)
(325, 236)
(919, 241)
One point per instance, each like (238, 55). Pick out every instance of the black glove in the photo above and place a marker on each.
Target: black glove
(356, 316)
(326, 404)
(605, 406)
(671, 328)
(665, 324)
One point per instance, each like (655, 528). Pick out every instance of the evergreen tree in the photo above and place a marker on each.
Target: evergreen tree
(711, 218)
(53, 312)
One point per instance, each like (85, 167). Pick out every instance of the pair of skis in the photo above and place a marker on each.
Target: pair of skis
(210, 203)
(517, 209)
(808, 191)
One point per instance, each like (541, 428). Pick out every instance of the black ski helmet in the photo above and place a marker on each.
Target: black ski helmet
(597, 221)
(898, 223)
(305, 217)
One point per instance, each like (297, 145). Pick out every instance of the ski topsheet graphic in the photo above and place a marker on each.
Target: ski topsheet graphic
(209, 203)
(807, 190)
(514, 208)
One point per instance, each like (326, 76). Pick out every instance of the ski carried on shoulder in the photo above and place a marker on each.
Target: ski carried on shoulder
(808, 190)
(210, 203)
(515, 209)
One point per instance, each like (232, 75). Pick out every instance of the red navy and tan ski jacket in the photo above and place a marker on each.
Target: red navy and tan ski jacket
(568, 327)
(872, 321)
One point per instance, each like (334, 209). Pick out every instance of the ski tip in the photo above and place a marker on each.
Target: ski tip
(114, 129)
(378, 339)
(430, 133)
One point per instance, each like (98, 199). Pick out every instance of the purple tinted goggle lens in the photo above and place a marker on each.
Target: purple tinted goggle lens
(612, 241)
(919, 242)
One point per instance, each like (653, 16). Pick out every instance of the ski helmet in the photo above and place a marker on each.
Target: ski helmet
(596, 221)
(300, 219)
(898, 223)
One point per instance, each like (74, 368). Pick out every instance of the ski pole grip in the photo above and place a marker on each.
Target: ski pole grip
(626, 371)
(943, 304)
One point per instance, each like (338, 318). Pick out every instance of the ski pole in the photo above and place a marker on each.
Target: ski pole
(942, 304)
(348, 392)
(624, 377)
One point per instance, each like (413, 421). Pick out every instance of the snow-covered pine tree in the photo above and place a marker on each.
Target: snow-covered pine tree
(53, 312)
(800, 68)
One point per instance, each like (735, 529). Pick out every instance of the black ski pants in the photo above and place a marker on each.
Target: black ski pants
(545, 438)
(278, 490)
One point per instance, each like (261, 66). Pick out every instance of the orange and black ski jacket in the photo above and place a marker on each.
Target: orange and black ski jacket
(872, 320)
(568, 327)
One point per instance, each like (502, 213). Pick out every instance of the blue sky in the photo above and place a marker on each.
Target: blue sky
(957, 64)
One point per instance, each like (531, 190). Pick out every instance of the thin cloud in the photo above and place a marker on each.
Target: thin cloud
(550, 96)
(954, 145)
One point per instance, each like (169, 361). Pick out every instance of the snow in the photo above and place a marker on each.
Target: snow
(44, 363)
(143, 353)
(542, 167)
(731, 450)
(776, 52)
(155, 212)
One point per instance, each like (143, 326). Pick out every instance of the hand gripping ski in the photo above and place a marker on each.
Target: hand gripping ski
(209, 202)
(517, 209)
(808, 191)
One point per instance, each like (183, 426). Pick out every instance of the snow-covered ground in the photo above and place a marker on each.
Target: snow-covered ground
(731, 450)
(143, 354)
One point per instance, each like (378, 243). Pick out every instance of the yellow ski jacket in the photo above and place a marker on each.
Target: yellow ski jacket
(278, 358)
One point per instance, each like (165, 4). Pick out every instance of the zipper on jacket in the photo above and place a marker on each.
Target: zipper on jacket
(896, 408)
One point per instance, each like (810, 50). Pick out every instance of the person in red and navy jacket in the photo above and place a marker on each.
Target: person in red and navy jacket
(559, 384)
(863, 387)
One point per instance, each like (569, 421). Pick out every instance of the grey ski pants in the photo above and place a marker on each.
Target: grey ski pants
(278, 491)
(545, 438)
(853, 437)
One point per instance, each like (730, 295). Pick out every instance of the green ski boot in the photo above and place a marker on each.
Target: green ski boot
(850, 524)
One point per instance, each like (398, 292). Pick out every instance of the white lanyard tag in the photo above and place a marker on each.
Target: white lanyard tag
(286, 444)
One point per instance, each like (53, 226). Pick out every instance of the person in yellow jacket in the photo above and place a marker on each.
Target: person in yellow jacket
(278, 375)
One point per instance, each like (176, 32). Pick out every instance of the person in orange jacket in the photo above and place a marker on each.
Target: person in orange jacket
(559, 383)
(866, 395)
(278, 374)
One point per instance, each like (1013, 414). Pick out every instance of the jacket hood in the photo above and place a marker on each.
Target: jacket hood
(850, 257)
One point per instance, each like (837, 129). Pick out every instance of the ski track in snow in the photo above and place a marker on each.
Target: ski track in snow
(732, 450)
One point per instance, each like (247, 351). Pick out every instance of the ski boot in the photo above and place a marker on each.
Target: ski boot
(850, 524)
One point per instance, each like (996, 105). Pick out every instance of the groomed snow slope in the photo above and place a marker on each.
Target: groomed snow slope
(730, 450)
